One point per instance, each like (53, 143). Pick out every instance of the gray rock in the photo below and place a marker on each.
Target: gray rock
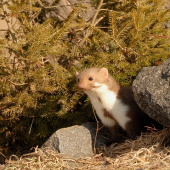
(152, 92)
(76, 141)
(64, 7)
(48, 2)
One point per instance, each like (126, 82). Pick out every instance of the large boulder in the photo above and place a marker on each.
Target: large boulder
(152, 92)
(75, 141)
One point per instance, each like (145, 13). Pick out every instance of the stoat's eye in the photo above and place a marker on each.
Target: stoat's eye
(90, 78)
(78, 80)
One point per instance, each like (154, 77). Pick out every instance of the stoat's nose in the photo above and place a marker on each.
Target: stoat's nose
(80, 86)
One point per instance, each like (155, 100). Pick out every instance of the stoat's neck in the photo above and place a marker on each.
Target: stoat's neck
(112, 85)
(104, 95)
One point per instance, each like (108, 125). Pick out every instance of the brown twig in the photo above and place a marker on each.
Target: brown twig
(3, 155)
(97, 129)
(17, 84)
(161, 36)
(96, 13)
(31, 125)
(153, 129)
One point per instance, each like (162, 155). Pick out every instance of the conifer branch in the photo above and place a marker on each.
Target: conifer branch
(96, 13)
(134, 20)
(161, 36)
(99, 20)
(112, 23)
(17, 84)
(119, 45)
(93, 23)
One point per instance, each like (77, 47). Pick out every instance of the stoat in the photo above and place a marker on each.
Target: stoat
(114, 104)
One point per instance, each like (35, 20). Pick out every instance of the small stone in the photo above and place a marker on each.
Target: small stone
(76, 141)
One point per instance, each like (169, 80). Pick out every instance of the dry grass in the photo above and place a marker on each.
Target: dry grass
(147, 152)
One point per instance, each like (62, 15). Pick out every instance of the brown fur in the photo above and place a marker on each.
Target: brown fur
(114, 135)
(138, 118)
(87, 85)
(107, 114)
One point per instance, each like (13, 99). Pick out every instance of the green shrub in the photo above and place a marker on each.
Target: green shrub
(38, 91)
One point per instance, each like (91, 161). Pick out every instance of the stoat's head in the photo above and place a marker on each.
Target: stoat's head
(92, 78)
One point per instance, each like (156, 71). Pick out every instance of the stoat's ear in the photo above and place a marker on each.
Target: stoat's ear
(104, 72)
(77, 73)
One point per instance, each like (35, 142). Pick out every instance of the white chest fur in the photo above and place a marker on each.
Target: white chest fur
(109, 102)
